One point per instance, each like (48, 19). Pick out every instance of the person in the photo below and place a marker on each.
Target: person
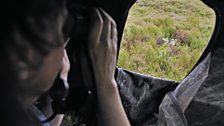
(32, 52)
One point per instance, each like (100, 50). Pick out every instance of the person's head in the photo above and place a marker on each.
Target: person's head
(31, 52)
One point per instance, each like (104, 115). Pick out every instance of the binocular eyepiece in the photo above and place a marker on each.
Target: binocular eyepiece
(81, 97)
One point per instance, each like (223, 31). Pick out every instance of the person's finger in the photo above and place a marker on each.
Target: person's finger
(113, 35)
(113, 31)
(66, 56)
(106, 32)
(96, 27)
(114, 39)
(105, 14)
(65, 62)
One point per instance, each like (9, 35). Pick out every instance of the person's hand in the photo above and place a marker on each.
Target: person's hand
(103, 52)
(65, 66)
(103, 47)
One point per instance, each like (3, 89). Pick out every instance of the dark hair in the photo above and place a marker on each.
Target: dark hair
(30, 29)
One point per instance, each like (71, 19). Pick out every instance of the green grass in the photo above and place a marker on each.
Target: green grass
(152, 19)
(71, 119)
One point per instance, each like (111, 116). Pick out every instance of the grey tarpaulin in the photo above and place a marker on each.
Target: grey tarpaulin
(141, 95)
(175, 103)
(207, 107)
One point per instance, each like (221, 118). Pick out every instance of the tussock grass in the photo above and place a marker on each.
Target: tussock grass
(71, 119)
(190, 22)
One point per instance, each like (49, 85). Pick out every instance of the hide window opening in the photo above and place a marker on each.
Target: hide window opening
(165, 38)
